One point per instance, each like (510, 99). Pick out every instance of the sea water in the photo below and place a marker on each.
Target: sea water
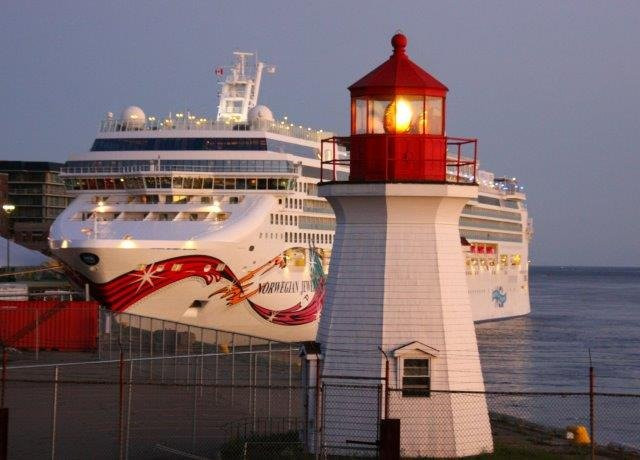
(575, 312)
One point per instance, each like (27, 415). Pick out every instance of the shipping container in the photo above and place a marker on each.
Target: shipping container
(49, 325)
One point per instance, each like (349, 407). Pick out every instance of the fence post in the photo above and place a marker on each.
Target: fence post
(37, 333)
(255, 388)
(195, 407)
(290, 389)
(269, 384)
(201, 362)
(55, 412)
(109, 317)
(175, 358)
(250, 377)
(121, 406)
(215, 374)
(126, 452)
(4, 375)
(591, 408)
(151, 343)
(319, 396)
(188, 353)
(233, 366)
(162, 360)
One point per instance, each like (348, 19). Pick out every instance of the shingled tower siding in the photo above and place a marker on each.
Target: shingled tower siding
(397, 278)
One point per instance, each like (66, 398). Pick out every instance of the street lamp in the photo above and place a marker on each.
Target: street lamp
(8, 208)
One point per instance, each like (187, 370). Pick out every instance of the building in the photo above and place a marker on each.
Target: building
(39, 195)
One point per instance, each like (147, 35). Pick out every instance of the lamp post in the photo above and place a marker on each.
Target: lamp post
(8, 208)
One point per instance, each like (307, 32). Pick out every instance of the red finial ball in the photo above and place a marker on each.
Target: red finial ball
(399, 43)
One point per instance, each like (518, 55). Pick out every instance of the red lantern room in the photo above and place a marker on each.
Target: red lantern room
(398, 125)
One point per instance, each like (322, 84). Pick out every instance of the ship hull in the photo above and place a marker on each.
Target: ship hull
(276, 293)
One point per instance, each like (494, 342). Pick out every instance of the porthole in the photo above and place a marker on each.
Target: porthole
(89, 258)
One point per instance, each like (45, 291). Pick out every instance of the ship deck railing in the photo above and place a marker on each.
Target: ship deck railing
(190, 122)
(155, 168)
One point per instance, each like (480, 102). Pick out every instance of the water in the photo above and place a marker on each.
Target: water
(573, 309)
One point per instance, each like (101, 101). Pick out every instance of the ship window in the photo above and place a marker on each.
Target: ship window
(286, 238)
(252, 184)
(218, 183)
(230, 183)
(151, 199)
(197, 182)
(488, 200)
(165, 182)
(271, 215)
(273, 184)
(205, 200)
(262, 184)
(207, 183)
(416, 378)
(234, 200)
(193, 216)
(241, 184)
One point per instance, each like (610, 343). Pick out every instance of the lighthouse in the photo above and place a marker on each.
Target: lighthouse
(397, 302)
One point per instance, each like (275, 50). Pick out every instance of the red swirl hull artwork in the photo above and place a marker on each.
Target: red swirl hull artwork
(131, 287)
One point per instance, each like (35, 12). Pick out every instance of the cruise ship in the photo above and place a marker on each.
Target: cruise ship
(217, 222)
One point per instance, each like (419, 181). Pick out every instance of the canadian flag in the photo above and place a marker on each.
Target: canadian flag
(219, 71)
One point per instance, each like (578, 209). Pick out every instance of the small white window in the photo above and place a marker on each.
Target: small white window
(416, 377)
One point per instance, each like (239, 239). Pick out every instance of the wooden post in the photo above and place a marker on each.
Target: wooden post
(4, 433)
(390, 439)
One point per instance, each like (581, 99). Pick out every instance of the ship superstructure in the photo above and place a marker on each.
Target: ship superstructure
(217, 222)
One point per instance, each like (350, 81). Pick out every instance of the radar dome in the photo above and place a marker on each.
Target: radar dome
(133, 116)
(260, 112)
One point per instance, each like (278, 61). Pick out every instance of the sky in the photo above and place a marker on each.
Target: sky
(550, 89)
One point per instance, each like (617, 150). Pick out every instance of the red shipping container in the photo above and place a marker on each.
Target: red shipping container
(49, 325)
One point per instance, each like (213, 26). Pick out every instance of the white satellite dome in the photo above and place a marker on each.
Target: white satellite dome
(260, 112)
(133, 116)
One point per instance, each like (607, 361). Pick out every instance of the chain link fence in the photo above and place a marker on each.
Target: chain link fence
(125, 409)
(159, 389)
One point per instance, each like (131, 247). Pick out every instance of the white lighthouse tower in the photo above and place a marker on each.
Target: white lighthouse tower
(397, 285)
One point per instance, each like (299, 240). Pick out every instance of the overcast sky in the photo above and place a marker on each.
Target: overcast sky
(551, 89)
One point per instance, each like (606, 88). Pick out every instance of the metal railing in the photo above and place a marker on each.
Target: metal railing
(457, 167)
(190, 122)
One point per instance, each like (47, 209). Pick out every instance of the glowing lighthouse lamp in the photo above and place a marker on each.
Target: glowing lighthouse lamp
(397, 286)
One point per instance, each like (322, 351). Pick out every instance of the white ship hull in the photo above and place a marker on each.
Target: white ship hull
(194, 299)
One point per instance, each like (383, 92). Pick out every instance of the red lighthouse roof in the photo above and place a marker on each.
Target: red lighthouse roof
(398, 75)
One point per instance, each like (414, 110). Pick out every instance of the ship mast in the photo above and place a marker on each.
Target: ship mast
(240, 88)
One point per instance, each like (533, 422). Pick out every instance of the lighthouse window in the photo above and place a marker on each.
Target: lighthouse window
(416, 378)
(434, 115)
(360, 124)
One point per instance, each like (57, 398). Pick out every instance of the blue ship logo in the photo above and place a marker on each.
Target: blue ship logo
(499, 297)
